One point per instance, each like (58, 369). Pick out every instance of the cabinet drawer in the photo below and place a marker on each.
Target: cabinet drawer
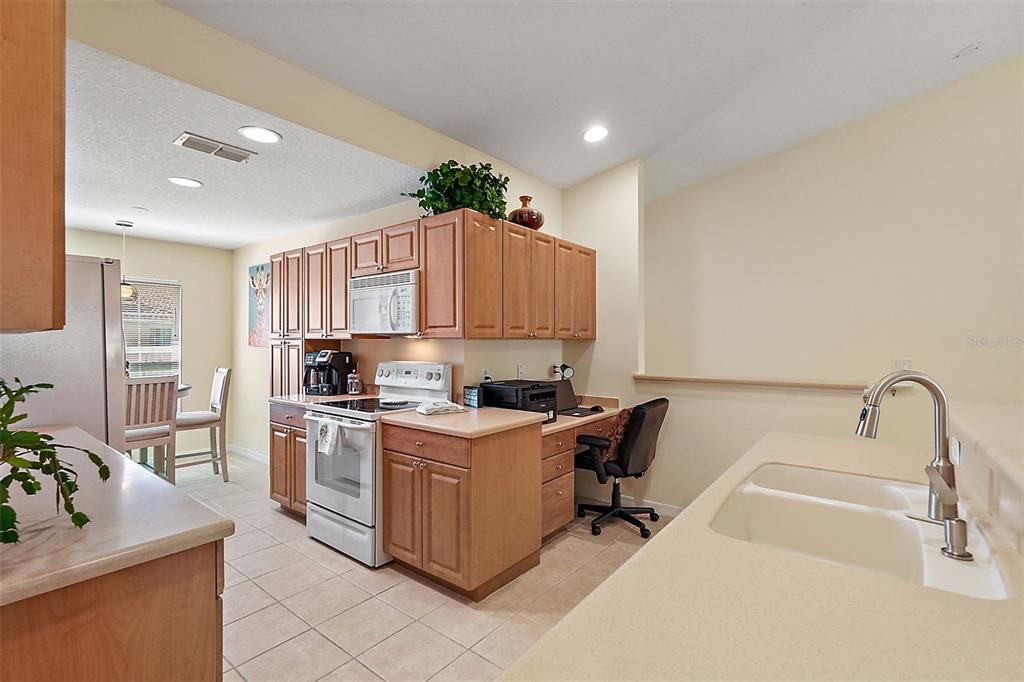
(557, 504)
(288, 415)
(555, 443)
(436, 446)
(553, 467)
(601, 428)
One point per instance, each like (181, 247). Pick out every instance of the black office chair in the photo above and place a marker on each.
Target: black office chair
(634, 458)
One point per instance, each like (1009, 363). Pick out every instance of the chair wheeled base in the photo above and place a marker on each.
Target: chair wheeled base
(616, 511)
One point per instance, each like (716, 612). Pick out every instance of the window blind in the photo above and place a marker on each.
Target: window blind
(152, 329)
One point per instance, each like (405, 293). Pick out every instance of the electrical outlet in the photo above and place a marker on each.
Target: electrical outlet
(556, 369)
(520, 371)
(485, 374)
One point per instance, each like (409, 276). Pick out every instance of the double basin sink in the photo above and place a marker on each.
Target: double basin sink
(856, 521)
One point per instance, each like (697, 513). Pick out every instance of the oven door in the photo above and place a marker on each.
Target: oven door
(343, 480)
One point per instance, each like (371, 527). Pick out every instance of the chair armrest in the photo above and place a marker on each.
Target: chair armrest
(595, 445)
(594, 441)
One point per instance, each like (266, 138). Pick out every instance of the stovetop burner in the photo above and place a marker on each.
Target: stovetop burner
(371, 405)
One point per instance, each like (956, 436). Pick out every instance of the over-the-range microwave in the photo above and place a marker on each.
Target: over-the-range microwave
(384, 304)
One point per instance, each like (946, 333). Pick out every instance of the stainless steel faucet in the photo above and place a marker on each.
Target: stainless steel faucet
(938, 509)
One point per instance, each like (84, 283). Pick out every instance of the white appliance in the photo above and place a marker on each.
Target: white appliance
(344, 506)
(84, 360)
(384, 304)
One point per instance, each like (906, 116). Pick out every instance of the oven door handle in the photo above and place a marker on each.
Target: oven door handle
(353, 427)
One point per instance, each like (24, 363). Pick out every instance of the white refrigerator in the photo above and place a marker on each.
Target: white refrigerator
(84, 360)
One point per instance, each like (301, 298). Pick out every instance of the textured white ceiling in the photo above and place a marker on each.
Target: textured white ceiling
(694, 87)
(121, 122)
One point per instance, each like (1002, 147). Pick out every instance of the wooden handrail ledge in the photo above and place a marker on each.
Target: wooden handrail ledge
(859, 387)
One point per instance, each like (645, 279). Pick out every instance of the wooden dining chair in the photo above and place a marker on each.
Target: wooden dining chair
(150, 419)
(215, 419)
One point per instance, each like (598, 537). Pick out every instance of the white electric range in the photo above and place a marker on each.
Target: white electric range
(343, 489)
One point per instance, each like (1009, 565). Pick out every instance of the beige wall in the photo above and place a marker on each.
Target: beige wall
(205, 276)
(899, 236)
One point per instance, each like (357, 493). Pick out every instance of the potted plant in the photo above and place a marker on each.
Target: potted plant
(451, 186)
(26, 453)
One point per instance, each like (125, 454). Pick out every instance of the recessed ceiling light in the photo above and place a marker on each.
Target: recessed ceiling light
(969, 50)
(185, 182)
(595, 134)
(258, 134)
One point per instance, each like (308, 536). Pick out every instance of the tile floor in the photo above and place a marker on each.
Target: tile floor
(295, 609)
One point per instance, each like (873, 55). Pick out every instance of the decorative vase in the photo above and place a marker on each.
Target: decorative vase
(527, 216)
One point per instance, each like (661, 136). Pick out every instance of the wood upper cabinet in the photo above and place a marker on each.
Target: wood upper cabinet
(277, 287)
(314, 280)
(445, 515)
(528, 283)
(280, 465)
(403, 502)
(336, 287)
(441, 283)
(367, 253)
(293, 363)
(483, 276)
(32, 55)
(285, 367)
(401, 246)
(292, 325)
(575, 291)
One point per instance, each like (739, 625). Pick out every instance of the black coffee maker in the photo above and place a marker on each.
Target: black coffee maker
(325, 371)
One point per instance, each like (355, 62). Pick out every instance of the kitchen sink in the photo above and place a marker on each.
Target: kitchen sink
(856, 521)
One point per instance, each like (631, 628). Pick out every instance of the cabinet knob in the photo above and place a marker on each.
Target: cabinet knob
(423, 465)
(289, 417)
(419, 444)
(558, 467)
(600, 429)
(559, 492)
(559, 444)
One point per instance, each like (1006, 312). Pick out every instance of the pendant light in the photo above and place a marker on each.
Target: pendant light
(129, 294)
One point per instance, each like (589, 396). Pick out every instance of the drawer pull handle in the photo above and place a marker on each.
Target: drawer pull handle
(289, 416)
(558, 467)
(600, 429)
(419, 444)
(559, 444)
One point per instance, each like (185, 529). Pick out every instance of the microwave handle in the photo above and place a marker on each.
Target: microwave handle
(392, 300)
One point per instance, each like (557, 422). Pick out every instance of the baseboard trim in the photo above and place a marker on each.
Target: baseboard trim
(629, 501)
(247, 452)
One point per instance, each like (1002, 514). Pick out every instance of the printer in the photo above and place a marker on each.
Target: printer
(531, 396)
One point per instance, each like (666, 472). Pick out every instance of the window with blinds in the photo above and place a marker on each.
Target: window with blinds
(152, 329)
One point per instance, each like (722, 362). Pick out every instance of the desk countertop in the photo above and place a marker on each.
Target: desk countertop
(136, 517)
(473, 423)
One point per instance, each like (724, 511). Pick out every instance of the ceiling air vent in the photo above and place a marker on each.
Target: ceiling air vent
(208, 146)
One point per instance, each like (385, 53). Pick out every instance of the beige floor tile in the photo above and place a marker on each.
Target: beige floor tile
(328, 557)
(588, 577)
(294, 578)
(236, 547)
(508, 642)
(515, 596)
(231, 576)
(305, 658)
(287, 531)
(251, 636)
(326, 600)
(225, 666)
(414, 598)
(375, 580)
(353, 671)
(242, 527)
(614, 556)
(464, 624)
(237, 498)
(244, 599)
(610, 531)
(263, 517)
(248, 509)
(551, 607)
(215, 488)
(413, 654)
(632, 536)
(266, 560)
(574, 548)
(232, 676)
(552, 569)
(468, 667)
(364, 626)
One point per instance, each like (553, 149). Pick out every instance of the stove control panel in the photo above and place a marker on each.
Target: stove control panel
(413, 374)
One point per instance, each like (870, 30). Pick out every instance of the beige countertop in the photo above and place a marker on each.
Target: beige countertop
(473, 423)
(696, 605)
(564, 423)
(136, 517)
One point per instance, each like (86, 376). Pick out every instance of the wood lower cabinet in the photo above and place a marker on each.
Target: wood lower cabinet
(32, 55)
(461, 282)
(557, 503)
(575, 291)
(528, 289)
(288, 457)
(472, 527)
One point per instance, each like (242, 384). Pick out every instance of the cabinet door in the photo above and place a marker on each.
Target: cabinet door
(542, 286)
(278, 368)
(585, 290)
(32, 56)
(403, 503)
(277, 287)
(293, 367)
(314, 262)
(336, 287)
(483, 276)
(401, 246)
(445, 520)
(280, 454)
(367, 256)
(565, 269)
(293, 294)
(441, 284)
(516, 302)
(297, 489)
